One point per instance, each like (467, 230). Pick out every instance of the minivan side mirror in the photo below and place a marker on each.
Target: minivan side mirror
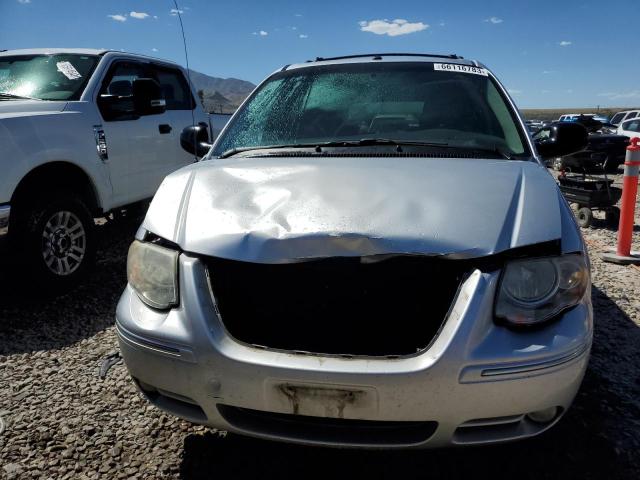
(560, 139)
(195, 140)
(147, 97)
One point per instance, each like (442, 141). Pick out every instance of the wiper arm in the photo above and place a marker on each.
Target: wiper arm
(18, 97)
(387, 141)
(495, 149)
(233, 151)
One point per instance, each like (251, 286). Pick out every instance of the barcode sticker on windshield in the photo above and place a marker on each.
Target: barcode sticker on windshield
(68, 70)
(453, 67)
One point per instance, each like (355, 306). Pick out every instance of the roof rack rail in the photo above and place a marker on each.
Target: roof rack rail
(379, 56)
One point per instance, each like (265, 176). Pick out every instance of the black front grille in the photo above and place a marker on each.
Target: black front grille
(343, 306)
(328, 430)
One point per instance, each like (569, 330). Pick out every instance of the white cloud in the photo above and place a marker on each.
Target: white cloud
(263, 33)
(24, 2)
(564, 43)
(547, 72)
(393, 28)
(154, 49)
(621, 95)
(294, 28)
(442, 24)
(298, 15)
(155, 17)
(118, 18)
(302, 35)
(570, 91)
(175, 12)
(494, 20)
(139, 15)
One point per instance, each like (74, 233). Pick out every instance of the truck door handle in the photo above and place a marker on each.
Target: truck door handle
(164, 128)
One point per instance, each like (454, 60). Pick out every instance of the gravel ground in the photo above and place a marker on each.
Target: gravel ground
(63, 421)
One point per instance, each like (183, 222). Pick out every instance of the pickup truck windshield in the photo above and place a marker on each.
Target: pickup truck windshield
(45, 77)
(396, 101)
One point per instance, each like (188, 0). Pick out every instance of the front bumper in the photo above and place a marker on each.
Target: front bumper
(474, 384)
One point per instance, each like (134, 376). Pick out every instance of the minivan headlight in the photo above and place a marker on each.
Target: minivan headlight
(152, 271)
(534, 290)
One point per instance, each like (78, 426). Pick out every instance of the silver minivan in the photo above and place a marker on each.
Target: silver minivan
(371, 254)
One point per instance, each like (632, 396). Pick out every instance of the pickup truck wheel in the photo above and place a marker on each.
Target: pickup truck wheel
(57, 240)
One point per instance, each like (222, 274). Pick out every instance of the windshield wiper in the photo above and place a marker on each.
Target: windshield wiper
(399, 143)
(495, 149)
(17, 97)
(364, 142)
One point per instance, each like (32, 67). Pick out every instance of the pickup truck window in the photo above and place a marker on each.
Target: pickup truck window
(400, 101)
(120, 78)
(45, 77)
(175, 89)
(119, 82)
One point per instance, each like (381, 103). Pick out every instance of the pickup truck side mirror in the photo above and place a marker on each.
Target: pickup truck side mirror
(147, 97)
(560, 139)
(195, 140)
(115, 107)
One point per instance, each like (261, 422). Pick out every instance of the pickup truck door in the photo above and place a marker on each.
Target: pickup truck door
(139, 150)
(181, 113)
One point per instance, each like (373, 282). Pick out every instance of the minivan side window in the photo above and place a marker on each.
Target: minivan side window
(175, 88)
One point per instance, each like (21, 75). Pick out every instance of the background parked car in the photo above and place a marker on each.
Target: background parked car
(575, 117)
(629, 128)
(83, 133)
(620, 117)
(603, 150)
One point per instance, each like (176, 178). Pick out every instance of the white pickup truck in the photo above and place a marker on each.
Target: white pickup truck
(83, 133)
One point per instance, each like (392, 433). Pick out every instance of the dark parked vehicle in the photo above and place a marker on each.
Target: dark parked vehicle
(603, 150)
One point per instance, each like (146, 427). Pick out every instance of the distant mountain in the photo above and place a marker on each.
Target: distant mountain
(215, 102)
(221, 95)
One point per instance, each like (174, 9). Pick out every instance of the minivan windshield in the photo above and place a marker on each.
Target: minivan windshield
(396, 101)
(45, 77)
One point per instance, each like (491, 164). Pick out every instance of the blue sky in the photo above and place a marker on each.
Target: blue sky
(561, 53)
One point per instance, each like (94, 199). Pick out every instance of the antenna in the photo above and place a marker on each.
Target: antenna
(186, 57)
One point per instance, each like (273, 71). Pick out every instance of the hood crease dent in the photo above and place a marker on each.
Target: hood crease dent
(284, 210)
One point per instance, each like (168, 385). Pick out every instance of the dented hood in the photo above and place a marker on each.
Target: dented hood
(286, 209)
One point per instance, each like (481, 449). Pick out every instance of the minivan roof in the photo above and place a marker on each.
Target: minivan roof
(385, 57)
